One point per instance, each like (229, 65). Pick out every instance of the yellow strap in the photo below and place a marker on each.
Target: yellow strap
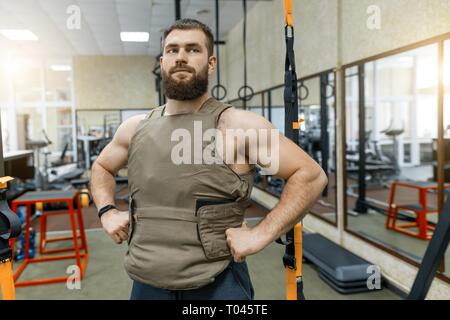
(296, 125)
(291, 284)
(6, 281)
(292, 275)
(298, 236)
(288, 12)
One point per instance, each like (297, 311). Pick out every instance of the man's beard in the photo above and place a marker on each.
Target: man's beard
(185, 89)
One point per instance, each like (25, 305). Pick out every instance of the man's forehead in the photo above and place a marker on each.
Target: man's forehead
(185, 37)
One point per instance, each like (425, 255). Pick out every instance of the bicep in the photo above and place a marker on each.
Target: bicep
(293, 158)
(280, 155)
(113, 157)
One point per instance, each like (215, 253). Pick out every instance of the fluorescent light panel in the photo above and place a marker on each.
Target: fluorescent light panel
(19, 34)
(134, 36)
(57, 67)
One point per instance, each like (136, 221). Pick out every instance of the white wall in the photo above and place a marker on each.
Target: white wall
(266, 46)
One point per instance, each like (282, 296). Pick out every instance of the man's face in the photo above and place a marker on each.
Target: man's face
(185, 65)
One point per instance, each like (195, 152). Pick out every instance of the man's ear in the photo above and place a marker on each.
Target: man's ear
(212, 64)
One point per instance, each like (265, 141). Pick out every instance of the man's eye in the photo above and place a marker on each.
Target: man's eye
(171, 51)
(194, 50)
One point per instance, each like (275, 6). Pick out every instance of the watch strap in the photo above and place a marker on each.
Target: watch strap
(105, 209)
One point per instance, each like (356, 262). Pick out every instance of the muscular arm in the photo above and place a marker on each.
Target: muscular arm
(113, 157)
(305, 181)
(103, 172)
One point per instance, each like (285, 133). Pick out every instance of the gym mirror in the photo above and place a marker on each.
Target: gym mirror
(391, 130)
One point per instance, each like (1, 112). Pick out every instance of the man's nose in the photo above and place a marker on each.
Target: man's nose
(182, 56)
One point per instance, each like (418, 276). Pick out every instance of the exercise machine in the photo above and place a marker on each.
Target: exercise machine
(10, 228)
(394, 133)
(40, 178)
(54, 175)
(379, 168)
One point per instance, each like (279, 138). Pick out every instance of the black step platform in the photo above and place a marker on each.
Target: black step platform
(341, 269)
(343, 289)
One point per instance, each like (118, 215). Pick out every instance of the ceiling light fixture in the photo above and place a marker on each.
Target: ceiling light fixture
(134, 36)
(57, 67)
(19, 35)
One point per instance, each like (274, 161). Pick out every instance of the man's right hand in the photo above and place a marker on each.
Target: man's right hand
(116, 224)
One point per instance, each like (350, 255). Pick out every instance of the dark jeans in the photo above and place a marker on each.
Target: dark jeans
(233, 283)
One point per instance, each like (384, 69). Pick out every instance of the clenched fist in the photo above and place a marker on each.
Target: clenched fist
(244, 242)
(116, 224)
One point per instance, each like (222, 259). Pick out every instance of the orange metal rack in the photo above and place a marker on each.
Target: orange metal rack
(80, 251)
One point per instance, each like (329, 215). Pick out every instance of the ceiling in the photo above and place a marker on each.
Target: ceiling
(101, 24)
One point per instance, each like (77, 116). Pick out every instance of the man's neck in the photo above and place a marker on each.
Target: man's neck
(186, 106)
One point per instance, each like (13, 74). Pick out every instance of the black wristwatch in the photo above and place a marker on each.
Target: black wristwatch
(105, 209)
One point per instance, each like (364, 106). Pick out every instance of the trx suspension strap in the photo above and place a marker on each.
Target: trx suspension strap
(245, 93)
(292, 259)
(10, 227)
(215, 91)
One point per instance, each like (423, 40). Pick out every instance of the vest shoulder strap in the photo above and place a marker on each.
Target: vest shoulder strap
(214, 108)
(155, 113)
(218, 109)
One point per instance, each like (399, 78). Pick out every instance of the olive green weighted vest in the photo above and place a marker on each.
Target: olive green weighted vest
(179, 213)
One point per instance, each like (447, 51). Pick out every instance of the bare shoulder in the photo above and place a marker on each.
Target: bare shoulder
(133, 121)
(127, 129)
(234, 118)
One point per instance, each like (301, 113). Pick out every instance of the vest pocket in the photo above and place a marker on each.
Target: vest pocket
(214, 220)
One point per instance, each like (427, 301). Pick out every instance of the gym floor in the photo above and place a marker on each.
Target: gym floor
(105, 276)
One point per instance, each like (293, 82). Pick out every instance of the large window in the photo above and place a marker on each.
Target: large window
(36, 104)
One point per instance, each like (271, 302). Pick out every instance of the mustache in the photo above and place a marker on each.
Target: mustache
(185, 68)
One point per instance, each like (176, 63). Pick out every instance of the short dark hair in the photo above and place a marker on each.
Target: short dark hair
(192, 24)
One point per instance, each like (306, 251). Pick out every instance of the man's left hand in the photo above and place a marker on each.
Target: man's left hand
(243, 242)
